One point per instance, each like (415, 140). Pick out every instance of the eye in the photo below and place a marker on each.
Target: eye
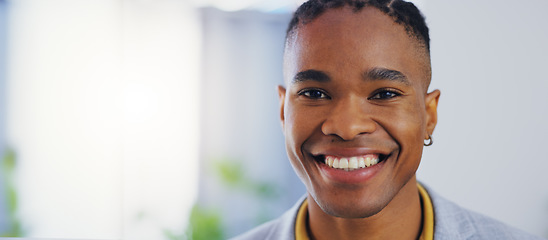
(385, 94)
(313, 94)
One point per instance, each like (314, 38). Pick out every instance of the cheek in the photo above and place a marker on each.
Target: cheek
(297, 131)
(301, 127)
(294, 133)
(300, 123)
(411, 144)
(407, 126)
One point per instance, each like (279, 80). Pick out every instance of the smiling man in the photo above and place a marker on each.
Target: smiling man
(356, 113)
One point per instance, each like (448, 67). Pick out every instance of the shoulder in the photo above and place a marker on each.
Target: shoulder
(281, 228)
(455, 222)
(268, 230)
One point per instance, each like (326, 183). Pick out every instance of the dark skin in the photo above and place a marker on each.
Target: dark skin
(357, 84)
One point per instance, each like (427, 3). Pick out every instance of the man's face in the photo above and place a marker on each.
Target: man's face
(356, 94)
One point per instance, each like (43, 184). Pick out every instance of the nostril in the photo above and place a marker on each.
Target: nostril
(348, 130)
(348, 122)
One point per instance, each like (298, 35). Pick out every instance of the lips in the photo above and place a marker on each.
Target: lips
(353, 163)
(342, 167)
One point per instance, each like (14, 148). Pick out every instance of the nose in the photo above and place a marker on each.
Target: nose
(348, 119)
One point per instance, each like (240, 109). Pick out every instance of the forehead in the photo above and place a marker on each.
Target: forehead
(345, 39)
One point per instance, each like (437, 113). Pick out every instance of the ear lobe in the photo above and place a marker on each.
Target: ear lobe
(281, 98)
(431, 105)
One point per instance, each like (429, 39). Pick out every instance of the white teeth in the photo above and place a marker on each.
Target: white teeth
(343, 163)
(330, 161)
(352, 163)
(361, 162)
(368, 161)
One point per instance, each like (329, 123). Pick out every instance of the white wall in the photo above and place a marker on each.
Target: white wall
(489, 61)
(103, 116)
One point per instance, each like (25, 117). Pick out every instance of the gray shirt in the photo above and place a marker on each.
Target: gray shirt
(451, 222)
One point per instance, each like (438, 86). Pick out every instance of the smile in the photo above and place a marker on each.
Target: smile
(353, 163)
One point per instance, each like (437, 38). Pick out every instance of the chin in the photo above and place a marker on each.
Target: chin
(352, 208)
(353, 213)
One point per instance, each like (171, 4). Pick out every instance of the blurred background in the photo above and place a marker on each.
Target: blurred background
(142, 119)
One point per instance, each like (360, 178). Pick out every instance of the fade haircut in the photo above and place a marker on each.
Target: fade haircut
(402, 12)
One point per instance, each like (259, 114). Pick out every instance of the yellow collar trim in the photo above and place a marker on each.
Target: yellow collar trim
(427, 215)
(301, 231)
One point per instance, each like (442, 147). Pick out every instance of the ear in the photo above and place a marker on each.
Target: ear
(281, 97)
(431, 104)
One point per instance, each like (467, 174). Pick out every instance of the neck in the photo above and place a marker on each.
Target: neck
(400, 219)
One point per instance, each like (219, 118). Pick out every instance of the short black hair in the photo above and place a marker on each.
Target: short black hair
(402, 12)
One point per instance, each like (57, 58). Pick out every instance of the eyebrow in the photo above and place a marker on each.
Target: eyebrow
(311, 75)
(373, 74)
(386, 74)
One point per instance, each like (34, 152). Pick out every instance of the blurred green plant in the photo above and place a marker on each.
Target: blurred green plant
(206, 223)
(8, 168)
(232, 174)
